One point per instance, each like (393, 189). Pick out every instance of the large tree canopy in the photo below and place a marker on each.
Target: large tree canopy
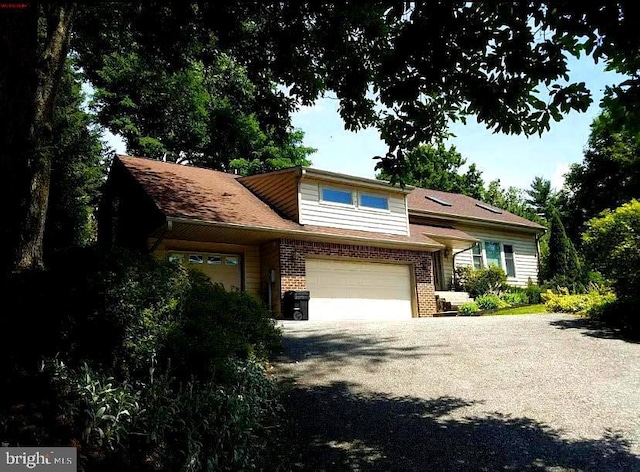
(439, 168)
(609, 175)
(407, 68)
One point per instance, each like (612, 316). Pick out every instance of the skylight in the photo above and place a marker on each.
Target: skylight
(437, 200)
(488, 208)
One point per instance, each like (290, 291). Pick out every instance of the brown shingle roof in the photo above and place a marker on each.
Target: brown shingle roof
(462, 206)
(181, 191)
(441, 232)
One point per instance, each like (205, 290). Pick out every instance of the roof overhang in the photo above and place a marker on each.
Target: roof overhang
(478, 221)
(327, 176)
(208, 231)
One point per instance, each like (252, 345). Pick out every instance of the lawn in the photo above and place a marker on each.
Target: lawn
(520, 310)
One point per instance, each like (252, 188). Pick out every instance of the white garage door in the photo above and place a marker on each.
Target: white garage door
(343, 290)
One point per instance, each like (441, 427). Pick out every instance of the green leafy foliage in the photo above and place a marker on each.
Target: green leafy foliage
(533, 292)
(78, 169)
(212, 426)
(490, 302)
(292, 153)
(116, 386)
(515, 297)
(612, 242)
(438, 168)
(490, 280)
(608, 177)
(563, 267)
(217, 324)
(469, 308)
(595, 301)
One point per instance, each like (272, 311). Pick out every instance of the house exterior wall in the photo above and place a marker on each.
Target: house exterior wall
(524, 248)
(313, 211)
(293, 255)
(250, 257)
(278, 189)
(270, 259)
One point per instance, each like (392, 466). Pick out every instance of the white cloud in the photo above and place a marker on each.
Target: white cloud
(557, 181)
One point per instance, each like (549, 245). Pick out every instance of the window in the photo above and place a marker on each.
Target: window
(214, 260)
(176, 257)
(477, 256)
(492, 253)
(195, 259)
(337, 196)
(509, 260)
(231, 260)
(373, 201)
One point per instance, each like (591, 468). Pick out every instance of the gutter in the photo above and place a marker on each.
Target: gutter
(301, 233)
(453, 261)
(472, 219)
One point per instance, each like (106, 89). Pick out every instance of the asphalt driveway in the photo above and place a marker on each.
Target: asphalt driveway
(541, 392)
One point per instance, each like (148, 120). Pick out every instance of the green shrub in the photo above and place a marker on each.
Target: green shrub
(216, 325)
(515, 297)
(482, 281)
(102, 409)
(468, 308)
(612, 243)
(533, 292)
(593, 302)
(210, 426)
(490, 302)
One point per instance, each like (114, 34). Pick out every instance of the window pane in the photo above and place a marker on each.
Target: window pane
(176, 257)
(231, 260)
(214, 260)
(492, 250)
(509, 260)
(337, 196)
(195, 259)
(373, 201)
(477, 256)
(477, 262)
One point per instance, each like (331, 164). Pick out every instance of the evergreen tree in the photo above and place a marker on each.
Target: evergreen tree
(563, 267)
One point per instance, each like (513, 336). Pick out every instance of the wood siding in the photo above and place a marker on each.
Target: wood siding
(315, 212)
(250, 257)
(278, 190)
(524, 249)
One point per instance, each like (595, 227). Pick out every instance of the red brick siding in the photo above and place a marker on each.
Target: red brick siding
(293, 254)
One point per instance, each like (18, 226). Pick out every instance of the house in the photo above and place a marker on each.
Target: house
(362, 247)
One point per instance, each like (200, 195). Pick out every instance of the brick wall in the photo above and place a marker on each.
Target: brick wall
(292, 265)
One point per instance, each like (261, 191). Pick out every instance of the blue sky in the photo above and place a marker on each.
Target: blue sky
(515, 160)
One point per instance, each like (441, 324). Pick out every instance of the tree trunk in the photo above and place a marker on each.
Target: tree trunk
(33, 47)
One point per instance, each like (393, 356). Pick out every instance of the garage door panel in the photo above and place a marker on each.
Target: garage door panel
(358, 290)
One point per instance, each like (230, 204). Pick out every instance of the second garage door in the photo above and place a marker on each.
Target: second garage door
(358, 290)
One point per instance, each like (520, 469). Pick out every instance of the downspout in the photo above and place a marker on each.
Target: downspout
(167, 227)
(453, 261)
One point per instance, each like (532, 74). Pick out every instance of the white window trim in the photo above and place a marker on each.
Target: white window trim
(377, 210)
(354, 198)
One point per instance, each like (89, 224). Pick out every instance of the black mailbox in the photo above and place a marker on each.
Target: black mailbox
(295, 304)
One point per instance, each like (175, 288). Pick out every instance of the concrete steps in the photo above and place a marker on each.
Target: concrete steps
(448, 302)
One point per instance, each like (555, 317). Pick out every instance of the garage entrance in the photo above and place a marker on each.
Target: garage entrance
(358, 290)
